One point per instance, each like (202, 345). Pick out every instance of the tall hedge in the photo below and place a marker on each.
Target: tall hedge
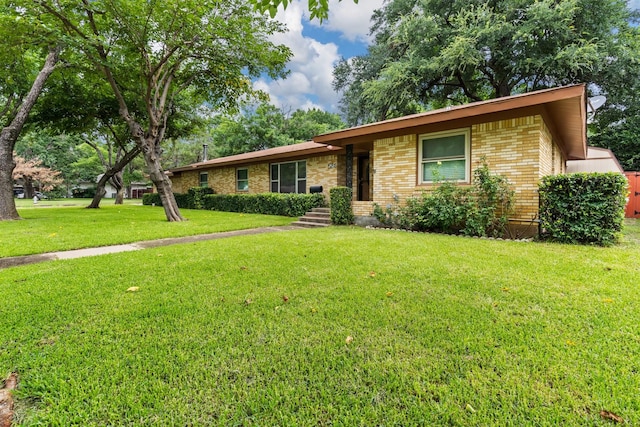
(585, 208)
(341, 210)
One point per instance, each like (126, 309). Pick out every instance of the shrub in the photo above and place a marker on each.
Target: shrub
(195, 197)
(268, 203)
(183, 200)
(479, 210)
(586, 208)
(83, 193)
(341, 211)
(149, 199)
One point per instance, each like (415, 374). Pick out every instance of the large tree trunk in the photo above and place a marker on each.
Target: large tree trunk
(110, 175)
(118, 184)
(100, 192)
(162, 182)
(7, 203)
(10, 134)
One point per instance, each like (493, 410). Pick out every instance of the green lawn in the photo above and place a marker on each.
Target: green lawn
(379, 328)
(63, 228)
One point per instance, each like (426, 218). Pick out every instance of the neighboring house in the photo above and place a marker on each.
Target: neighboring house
(523, 137)
(135, 191)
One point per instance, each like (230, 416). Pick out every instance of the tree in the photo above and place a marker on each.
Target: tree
(62, 152)
(32, 172)
(265, 126)
(303, 125)
(256, 129)
(152, 53)
(431, 54)
(25, 49)
(617, 123)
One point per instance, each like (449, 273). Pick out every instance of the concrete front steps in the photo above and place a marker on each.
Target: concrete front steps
(318, 217)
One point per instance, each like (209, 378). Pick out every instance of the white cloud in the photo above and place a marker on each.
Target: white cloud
(634, 4)
(309, 84)
(351, 20)
(311, 67)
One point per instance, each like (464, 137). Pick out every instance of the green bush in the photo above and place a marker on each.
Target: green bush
(183, 200)
(195, 197)
(479, 210)
(83, 193)
(149, 199)
(341, 211)
(267, 203)
(586, 208)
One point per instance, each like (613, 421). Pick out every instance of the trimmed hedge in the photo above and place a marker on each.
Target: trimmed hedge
(149, 199)
(586, 208)
(268, 203)
(193, 199)
(341, 210)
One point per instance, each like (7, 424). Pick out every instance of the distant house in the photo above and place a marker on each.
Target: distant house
(135, 190)
(523, 137)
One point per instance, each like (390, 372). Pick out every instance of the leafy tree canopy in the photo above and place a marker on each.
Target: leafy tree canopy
(265, 126)
(431, 53)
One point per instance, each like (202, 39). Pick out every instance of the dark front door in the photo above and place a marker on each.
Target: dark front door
(363, 178)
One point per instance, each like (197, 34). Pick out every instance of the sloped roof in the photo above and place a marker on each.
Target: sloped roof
(284, 152)
(563, 109)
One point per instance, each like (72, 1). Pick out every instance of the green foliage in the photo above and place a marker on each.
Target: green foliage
(341, 210)
(195, 197)
(429, 54)
(291, 205)
(586, 208)
(153, 199)
(265, 126)
(83, 193)
(479, 210)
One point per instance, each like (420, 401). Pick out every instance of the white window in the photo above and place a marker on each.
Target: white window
(290, 177)
(242, 179)
(444, 156)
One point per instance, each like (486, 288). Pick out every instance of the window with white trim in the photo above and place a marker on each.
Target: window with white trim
(444, 156)
(242, 179)
(289, 177)
(204, 179)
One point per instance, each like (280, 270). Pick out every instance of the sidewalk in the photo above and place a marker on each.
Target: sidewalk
(80, 253)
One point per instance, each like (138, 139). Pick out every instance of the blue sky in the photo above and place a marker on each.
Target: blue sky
(316, 48)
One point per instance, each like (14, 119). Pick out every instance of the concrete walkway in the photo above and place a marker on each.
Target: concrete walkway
(80, 253)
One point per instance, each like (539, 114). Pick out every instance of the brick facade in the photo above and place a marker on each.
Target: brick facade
(321, 170)
(521, 149)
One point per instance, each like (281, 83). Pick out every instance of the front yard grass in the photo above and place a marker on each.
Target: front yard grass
(63, 228)
(339, 326)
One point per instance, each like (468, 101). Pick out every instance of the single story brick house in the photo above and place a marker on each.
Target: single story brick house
(523, 137)
(287, 169)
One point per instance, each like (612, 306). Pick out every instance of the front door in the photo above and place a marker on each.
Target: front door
(363, 178)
